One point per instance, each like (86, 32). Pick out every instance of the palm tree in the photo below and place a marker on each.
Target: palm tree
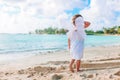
(113, 30)
(105, 30)
(37, 31)
(118, 30)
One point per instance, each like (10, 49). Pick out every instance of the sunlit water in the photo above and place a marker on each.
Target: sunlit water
(19, 44)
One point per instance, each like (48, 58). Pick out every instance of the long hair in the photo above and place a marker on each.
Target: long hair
(74, 17)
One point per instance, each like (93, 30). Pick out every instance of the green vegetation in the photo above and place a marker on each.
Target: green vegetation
(91, 32)
(113, 30)
(50, 30)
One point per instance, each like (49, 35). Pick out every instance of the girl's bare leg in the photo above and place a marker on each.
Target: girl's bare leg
(71, 64)
(78, 65)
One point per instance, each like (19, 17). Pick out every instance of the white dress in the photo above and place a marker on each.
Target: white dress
(77, 36)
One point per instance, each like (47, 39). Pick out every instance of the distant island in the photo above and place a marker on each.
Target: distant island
(50, 30)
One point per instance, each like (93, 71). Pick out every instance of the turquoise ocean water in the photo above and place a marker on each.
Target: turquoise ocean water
(12, 43)
(21, 43)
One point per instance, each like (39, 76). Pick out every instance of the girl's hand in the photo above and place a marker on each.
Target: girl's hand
(86, 24)
(68, 50)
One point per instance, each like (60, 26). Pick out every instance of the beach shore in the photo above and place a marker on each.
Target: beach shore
(98, 63)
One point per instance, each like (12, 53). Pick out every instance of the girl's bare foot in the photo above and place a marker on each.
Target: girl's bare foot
(79, 70)
(71, 69)
(70, 66)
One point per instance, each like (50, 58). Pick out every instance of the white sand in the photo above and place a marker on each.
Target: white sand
(99, 63)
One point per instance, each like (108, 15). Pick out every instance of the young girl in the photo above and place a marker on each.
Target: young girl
(76, 38)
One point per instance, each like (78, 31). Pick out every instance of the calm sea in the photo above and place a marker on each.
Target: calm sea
(12, 43)
(24, 43)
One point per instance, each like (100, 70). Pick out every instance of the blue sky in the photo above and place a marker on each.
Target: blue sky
(78, 9)
(22, 16)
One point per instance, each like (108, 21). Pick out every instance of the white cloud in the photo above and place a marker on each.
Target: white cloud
(22, 16)
(14, 1)
(64, 21)
(102, 13)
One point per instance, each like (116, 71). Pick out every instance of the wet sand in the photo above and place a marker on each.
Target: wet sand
(99, 63)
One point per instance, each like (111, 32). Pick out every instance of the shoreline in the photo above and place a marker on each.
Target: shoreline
(98, 63)
(90, 53)
(61, 34)
(34, 53)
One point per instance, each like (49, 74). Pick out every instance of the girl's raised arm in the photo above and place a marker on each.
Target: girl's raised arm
(86, 24)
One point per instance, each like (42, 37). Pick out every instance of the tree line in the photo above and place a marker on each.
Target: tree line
(50, 30)
(113, 30)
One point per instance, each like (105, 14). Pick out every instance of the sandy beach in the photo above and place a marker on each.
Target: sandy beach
(99, 63)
